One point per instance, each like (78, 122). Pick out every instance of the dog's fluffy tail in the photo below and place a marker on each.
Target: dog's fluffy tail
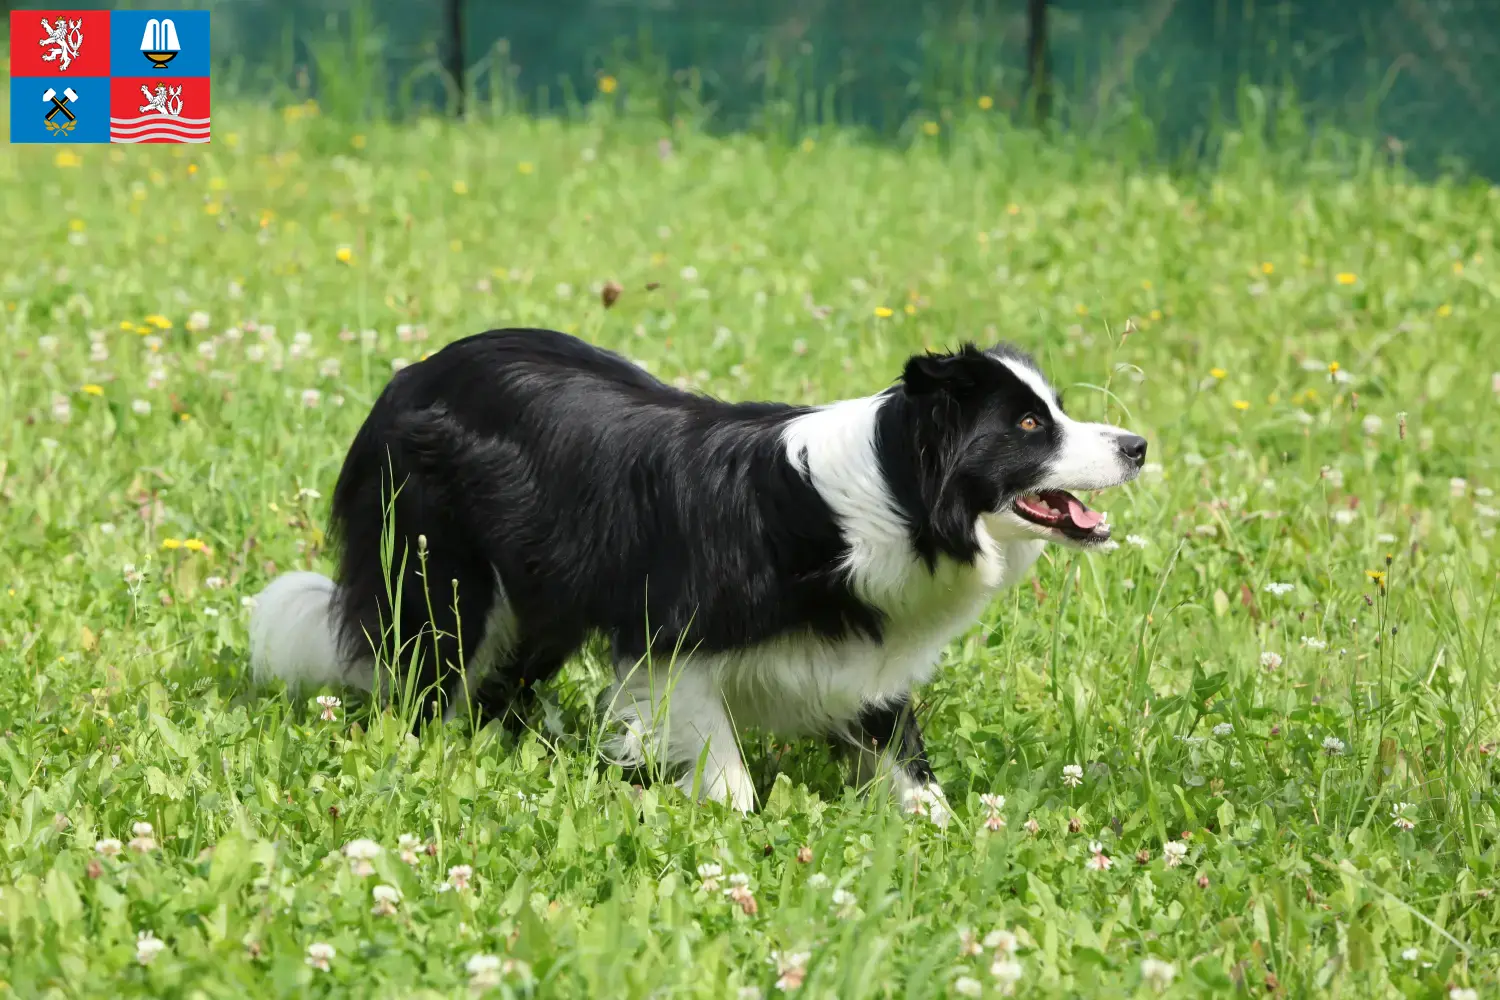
(294, 635)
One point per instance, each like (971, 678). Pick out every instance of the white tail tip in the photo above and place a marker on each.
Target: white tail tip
(293, 635)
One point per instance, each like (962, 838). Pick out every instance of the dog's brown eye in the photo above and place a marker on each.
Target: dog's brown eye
(1030, 423)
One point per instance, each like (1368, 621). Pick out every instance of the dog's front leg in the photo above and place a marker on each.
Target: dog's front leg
(682, 722)
(888, 740)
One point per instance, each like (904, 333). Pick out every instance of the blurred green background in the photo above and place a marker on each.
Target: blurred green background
(1414, 78)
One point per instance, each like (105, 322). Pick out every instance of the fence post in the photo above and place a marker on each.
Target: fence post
(1038, 69)
(456, 50)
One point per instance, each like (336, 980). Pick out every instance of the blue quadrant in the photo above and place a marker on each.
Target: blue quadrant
(28, 109)
(127, 31)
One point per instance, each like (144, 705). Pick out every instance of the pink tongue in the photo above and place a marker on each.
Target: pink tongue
(1082, 516)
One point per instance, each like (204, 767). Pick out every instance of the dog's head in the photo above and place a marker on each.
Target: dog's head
(1005, 451)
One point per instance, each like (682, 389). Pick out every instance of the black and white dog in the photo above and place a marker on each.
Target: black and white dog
(796, 569)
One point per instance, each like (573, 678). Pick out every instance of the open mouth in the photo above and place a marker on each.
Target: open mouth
(1063, 512)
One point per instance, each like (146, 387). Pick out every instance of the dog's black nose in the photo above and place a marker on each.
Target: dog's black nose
(1133, 448)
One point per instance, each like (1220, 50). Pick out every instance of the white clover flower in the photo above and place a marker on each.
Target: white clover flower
(1411, 954)
(459, 876)
(689, 273)
(1157, 974)
(143, 842)
(361, 853)
(311, 398)
(1333, 746)
(408, 844)
(386, 899)
(710, 872)
(1279, 589)
(1072, 775)
(1174, 853)
(1457, 486)
(1313, 642)
(1371, 425)
(966, 986)
(1399, 819)
(147, 947)
(109, 847)
(329, 703)
(1002, 942)
(320, 956)
(1007, 973)
(484, 971)
(1223, 729)
(1344, 516)
(1136, 540)
(1463, 993)
(817, 880)
(791, 969)
(1270, 660)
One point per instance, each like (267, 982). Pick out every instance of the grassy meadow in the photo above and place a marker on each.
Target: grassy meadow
(1276, 695)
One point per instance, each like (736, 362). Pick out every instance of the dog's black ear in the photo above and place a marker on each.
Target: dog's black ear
(956, 372)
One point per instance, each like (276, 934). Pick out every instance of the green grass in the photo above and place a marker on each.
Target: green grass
(1204, 312)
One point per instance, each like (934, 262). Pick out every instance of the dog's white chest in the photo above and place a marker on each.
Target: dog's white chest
(802, 684)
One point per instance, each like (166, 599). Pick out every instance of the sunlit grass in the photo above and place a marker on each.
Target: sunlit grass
(1276, 695)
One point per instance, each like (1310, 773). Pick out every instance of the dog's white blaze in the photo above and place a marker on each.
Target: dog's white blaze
(1089, 456)
(804, 684)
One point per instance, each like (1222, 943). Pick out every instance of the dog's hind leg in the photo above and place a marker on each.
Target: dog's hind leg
(886, 743)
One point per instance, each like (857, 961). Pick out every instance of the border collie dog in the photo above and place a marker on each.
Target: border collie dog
(793, 568)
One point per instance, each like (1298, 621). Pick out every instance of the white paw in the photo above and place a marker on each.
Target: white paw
(925, 800)
(729, 785)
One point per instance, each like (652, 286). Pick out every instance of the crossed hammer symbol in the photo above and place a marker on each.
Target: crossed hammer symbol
(61, 105)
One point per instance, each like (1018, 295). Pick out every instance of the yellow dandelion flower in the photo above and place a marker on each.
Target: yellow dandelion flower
(1458, 267)
(1445, 310)
(457, 246)
(184, 417)
(265, 218)
(92, 390)
(194, 545)
(1156, 314)
(883, 312)
(1333, 367)
(159, 321)
(1267, 268)
(808, 145)
(212, 208)
(357, 141)
(1346, 278)
(986, 102)
(344, 255)
(526, 167)
(931, 128)
(911, 310)
(1218, 373)
(1146, 285)
(67, 158)
(192, 169)
(459, 187)
(127, 326)
(1377, 575)
(1242, 404)
(608, 84)
(1081, 309)
(77, 225)
(171, 543)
